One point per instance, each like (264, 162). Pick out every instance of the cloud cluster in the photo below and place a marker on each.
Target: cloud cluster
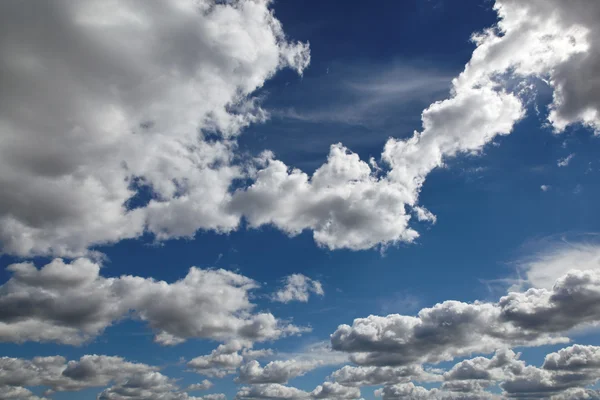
(348, 203)
(127, 380)
(563, 375)
(298, 288)
(452, 329)
(225, 359)
(71, 303)
(153, 96)
(327, 390)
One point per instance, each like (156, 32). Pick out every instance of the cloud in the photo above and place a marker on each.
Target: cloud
(362, 94)
(563, 374)
(563, 162)
(545, 188)
(410, 391)
(344, 203)
(271, 391)
(129, 380)
(555, 258)
(71, 303)
(143, 88)
(333, 390)
(298, 288)
(328, 390)
(226, 358)
(369, 376)
(531, 40)
(204, 385)
(140, 86)
(452, 329)
(280, 371)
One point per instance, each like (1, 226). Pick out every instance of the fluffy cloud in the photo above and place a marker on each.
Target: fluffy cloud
(333, 390)
(328, 390)
(271, 391)
(409, 391)
(452, 329)
(298, 288)
(344, 202)
(225, 359)
(140, 86)
(204, 385)
(563, 374)
(129, 380)
(71, 303)
(368, 376)
(279, 371)
(129, 148)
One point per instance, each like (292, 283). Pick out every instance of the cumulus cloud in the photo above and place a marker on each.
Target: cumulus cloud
(143, 87)
(369, 376)
(140, 86)
(271, 391)
(129, 380)
(204, 385)
(452, 329)
(344, 202)
(327, 390)
(565, 373)
(279, 371)
(359, 207)
(71, 303)
(298, 288)
(226, 358)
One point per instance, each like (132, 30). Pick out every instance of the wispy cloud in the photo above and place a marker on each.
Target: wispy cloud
(367, 94)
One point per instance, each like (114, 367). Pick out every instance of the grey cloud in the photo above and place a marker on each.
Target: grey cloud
(279, 371)
(72, 303)
(129, 380)
(367, 376)
(136, 82)
(451, 329)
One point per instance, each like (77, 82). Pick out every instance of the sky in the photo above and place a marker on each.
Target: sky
(300, 200)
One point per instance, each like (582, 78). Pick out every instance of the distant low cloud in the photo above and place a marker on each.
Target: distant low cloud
(125, 379)
(452, 329)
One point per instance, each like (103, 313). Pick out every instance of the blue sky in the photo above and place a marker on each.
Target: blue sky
(140, 151)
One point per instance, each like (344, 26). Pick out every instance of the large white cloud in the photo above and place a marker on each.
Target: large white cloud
(72, 303)
(106, 96)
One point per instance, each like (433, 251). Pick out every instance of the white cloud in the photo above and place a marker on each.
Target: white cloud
(72, 303)
(556, 258)
(545, 188)
(344, 203)
(140, 85)
(563, 162)
(298, 288)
